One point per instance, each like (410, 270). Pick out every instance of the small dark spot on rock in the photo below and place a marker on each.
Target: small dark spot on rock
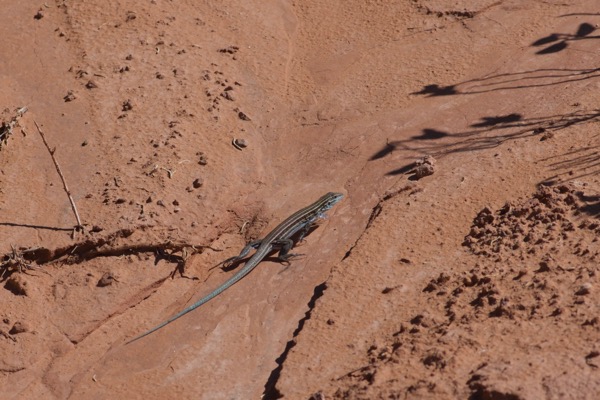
(243, 116)
(229, 50)
(431, 286)
(106, 280)
(544, 267)
(546, 136)
(520, 274)
(19, 327)
(18, 285)
(434, 359)
(591, 355)
(127, 105)
(91, 84)
(557, 311)
(470, 281)
(227, 95)
(584, 289)
(70, 96)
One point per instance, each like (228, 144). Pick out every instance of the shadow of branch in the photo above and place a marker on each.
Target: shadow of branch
(31, 226)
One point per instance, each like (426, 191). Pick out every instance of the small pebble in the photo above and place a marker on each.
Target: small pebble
(202, 160)
(240, 143)
(424, 167)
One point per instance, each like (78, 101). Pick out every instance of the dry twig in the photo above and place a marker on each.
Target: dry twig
(79, 226)
(13, 262)
(108, 246)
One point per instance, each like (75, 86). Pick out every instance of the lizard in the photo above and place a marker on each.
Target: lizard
(279, 238)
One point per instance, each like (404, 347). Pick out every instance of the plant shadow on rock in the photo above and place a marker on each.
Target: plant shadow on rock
(489, 132)
(493, 130)
(576, 164)
(560, 41)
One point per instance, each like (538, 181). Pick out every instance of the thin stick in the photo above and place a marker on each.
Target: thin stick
(62, 177)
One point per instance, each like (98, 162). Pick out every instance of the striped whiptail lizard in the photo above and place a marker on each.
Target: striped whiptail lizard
(279, 238)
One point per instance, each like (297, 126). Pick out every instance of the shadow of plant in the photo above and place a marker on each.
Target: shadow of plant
(576, 164)
(511, 81)
(489, 132)
(562, 39)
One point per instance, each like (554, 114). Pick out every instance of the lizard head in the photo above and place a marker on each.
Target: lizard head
(330, 199)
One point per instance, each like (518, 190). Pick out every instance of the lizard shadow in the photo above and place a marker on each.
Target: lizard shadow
(270, 257)
(161, 254)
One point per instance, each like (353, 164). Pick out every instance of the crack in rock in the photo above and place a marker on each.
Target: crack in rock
(271, 391)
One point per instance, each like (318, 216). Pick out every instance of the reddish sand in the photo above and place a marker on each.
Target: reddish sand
(462, 262)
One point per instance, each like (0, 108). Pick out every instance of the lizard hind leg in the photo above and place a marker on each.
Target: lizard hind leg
(284, 247)
(233, 260)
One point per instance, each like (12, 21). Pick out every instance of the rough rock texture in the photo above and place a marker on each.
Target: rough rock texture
(478, 281)
(519, 321)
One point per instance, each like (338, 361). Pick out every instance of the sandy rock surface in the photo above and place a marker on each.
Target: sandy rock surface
(461, 263)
